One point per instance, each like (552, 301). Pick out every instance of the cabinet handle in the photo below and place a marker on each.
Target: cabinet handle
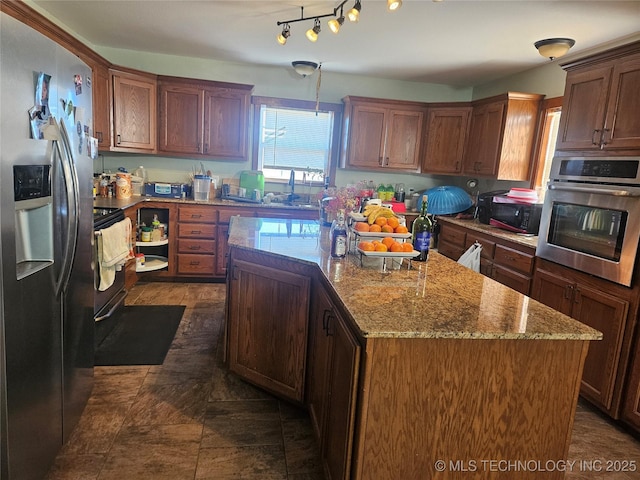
(206, 147)
(593, 137)
(195, 215)
(325, 319)
(118, 140)
(194, 262)
(603, 142)
(568, 292)
(99, 136)
(329, 317)
(380, 161)
(196, 232)
(578, 296)
(194, 247)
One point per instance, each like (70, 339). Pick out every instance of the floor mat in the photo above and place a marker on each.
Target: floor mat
(141, 335)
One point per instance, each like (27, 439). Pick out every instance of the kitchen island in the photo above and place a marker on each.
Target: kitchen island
(427, 372)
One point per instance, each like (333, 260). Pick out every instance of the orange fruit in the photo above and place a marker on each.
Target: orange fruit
(387, 228)
(361, 227)
(407, 247)
(388, 241)
(375, 242)
(375, 228)
(401, 229)
(396, 247)
(366, 246)
(381, 221)
(381, 247)
(393, 222)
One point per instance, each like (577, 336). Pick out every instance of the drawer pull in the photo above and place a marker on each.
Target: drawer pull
(194, 247)
(194, 262)
(195, 215)
(196, 232)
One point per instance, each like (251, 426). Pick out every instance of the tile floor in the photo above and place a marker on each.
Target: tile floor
(190, 419)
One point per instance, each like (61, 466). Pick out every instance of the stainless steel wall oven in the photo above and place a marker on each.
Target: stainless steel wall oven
(591, 216)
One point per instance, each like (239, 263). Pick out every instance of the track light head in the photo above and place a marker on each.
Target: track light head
(312, 33)
(336, 23)
(286, 33)
(354, 13)
(393, 5)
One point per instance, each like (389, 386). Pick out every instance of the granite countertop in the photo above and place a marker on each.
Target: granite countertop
(473, 224)
(436, 299)
(100, 202)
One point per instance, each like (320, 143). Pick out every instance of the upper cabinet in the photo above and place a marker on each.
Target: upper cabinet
(101, 116)
(601, 102)
(203, 118)
(134, 112)
(446, 132)
(382, 134)
(501, 136)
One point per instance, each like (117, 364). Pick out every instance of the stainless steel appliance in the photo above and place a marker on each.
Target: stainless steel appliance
(591, 216)
(46, 316)
(108, 301)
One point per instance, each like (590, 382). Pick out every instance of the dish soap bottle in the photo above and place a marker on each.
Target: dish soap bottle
(338, 235)
(421, 232)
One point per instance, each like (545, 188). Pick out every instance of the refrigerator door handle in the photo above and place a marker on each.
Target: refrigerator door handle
(71, 186)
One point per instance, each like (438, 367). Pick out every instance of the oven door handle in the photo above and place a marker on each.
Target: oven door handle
(596, 190)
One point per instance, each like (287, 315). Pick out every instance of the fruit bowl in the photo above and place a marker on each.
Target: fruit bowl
(368, 253)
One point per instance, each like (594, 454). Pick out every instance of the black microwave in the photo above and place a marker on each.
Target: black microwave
(516, 217)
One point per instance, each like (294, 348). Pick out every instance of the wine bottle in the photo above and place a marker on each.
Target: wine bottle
(421, 232)
(338, 236)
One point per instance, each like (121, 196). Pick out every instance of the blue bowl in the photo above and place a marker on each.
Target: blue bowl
(445, 200)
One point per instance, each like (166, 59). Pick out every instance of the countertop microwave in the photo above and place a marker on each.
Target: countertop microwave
(517, 217)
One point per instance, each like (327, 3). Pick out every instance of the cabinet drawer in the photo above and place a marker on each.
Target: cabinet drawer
(488, 247)
(196, 264)
(514, 259)
(196, 246)
(196, 230)
(519, 282)
(449, 250)
(225, 214)
(197, 214)
(452, 235)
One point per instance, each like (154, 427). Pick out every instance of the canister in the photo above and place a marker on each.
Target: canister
(145, 234)
(123, 185)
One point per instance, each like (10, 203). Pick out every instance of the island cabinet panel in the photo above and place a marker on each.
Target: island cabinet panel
(411, 385)
(446, 133)
(333, 366)
(134, 112)
(382, 134)
(601, 101)
(268, 320)
(592, 304)
(501, 136)
(224, 217)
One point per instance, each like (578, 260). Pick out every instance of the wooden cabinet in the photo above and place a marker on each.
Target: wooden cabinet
(631, 404)
(600, 305)
(501, 136)
(267, 320)
(382, 134)
(134, 112)
(203, 118)
(224, 217)
(451, 240)
(196, 241)
(334, 359)
(446, 133)
(101, 84)
(601, 102)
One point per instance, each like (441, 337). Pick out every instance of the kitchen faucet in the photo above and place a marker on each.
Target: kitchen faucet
(292, 184)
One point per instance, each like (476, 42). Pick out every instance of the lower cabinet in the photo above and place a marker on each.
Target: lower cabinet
(631, 403)
(196, 241)
(268, 309)
(334, 361)
(600, 305)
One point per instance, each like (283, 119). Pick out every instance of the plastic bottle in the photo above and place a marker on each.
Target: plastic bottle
(421, 232)
(338, 235)
(142, 173)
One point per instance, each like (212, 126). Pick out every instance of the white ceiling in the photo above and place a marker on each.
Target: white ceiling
(454, 42)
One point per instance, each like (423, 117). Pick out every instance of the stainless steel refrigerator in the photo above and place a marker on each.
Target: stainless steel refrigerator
(46, 299)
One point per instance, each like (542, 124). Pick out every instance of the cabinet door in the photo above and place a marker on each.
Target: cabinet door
(403, 139)
(553, 290)
(608, 315)
(101, 116)
(366, 136)
(631, 405)
(222, 251)
(268, 310)
(226, 124)
(583, 109)
(337, 444)
(319, 357)
(622, 128)
(445, 138)
(181, 119)
(485, 139)
(134, 113)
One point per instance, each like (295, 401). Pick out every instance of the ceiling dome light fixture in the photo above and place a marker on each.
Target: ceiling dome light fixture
(304, 68)
(282, 37)
(312, 33)
(553, 48)
(393, 5)
(354, 13)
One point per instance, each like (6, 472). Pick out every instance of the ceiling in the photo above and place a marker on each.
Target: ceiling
(453, 42)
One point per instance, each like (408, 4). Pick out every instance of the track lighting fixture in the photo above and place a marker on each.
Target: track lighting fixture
(312, 33)
(286, 33)
(334, 24)
(393, 5)
(354, 13)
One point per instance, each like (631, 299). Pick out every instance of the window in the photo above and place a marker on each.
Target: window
(551, 110)
(292, 135)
